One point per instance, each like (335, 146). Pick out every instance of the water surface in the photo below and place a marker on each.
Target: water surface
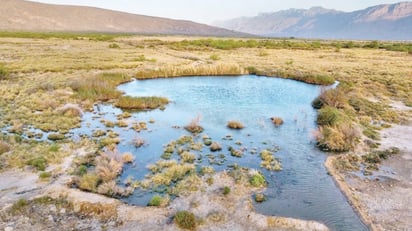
(302, 189)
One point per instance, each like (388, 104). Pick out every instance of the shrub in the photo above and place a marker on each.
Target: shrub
(333, 97)
(112, 189)
(3, 72)
(252, 70)
(257, 179)
(185, 220)
(215, 146)
(89, 182)
(158, 200)
(260, 197)
(114, 46)
(194, 126)
(226, 190)
(19, 205)
(4, 147)
(233, 124)
(108, 168)
(44, 175)
(55, 136)
(127, 157)
(39, 163)
(329, 116)
(340, 138)
(277, 121)
(214, 57)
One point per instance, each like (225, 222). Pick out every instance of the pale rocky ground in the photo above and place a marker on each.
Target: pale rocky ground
(385, 198)
(216, 211)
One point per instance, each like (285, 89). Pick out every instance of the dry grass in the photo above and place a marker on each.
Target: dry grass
(194, 125)
(233, 124)
(277, 121)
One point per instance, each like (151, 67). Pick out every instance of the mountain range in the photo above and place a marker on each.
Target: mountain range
(381, 22)
(20, 15)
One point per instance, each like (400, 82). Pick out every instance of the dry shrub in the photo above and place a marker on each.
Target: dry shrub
(112, 189)
(334, 97)
(215, 146)
(70, 109)
(194, 126)
(4, 147)
(104, 212)
(339, 138)
(108, 168)
(127, 157)
(138, 142)
(277, 121)
(233, 124)
(89, 182)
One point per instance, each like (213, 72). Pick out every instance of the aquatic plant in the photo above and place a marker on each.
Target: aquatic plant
(194, 126)
(127, 157)
(256, 179)
(233, 124)
(260, 197)
(277, 121)
(141, 103)
(215, 146)
(185, 220)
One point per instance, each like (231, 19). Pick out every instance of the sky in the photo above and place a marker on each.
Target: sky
(209, 11)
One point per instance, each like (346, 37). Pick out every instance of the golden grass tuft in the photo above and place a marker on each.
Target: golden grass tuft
(233, 124)
(4, 147)
(277, 121)
(194, 126)
(141, 103)
(112, 189)
(104, 212)
(127, 157)
(108, 168)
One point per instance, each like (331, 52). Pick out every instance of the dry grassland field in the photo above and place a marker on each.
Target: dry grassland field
(47, 82)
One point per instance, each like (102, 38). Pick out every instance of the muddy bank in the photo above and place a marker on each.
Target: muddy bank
(382, 200)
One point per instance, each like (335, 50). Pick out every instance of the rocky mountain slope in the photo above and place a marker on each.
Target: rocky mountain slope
(389, 22)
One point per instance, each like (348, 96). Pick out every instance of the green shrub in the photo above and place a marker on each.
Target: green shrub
(44, 175)
(226, 190)
(39, 163)
(18, 206)
(329, 116)
(260, 197)
(257, 180)
(185, 220)
(155, 201)
(317, 103)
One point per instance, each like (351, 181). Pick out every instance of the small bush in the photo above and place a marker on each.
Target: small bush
(226, 190)
(257, 180)
(111, 189)
(252, 70)
(39, 163)
(55, 136)
(158, 200)
(233, 124)
(260, 197)
(3, 72)
(114, 46)
(19, 205)
(4, 147)
(44, 175)
(127, 157)
(329, 116)
(277, 121)
(214, 57)
(185, 220)
(89, 182)
(194, 126)
(215, 146)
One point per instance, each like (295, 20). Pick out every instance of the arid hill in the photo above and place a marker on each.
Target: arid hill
(32, 16)
(389, 22)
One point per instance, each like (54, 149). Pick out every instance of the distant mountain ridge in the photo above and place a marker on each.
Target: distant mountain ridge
(24, 15)
(387, 22)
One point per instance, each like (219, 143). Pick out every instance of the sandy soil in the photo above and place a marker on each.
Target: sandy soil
(384, 199)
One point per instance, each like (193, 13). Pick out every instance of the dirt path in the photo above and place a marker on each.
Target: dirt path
(384, 200)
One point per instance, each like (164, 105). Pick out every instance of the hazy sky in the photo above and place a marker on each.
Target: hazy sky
(207, 11)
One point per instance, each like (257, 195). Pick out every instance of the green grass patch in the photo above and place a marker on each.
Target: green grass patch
(185, 220)
(257, 180)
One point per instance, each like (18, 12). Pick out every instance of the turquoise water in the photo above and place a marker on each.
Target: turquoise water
(302, 189)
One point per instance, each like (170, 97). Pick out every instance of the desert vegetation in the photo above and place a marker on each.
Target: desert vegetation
(49, 80)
